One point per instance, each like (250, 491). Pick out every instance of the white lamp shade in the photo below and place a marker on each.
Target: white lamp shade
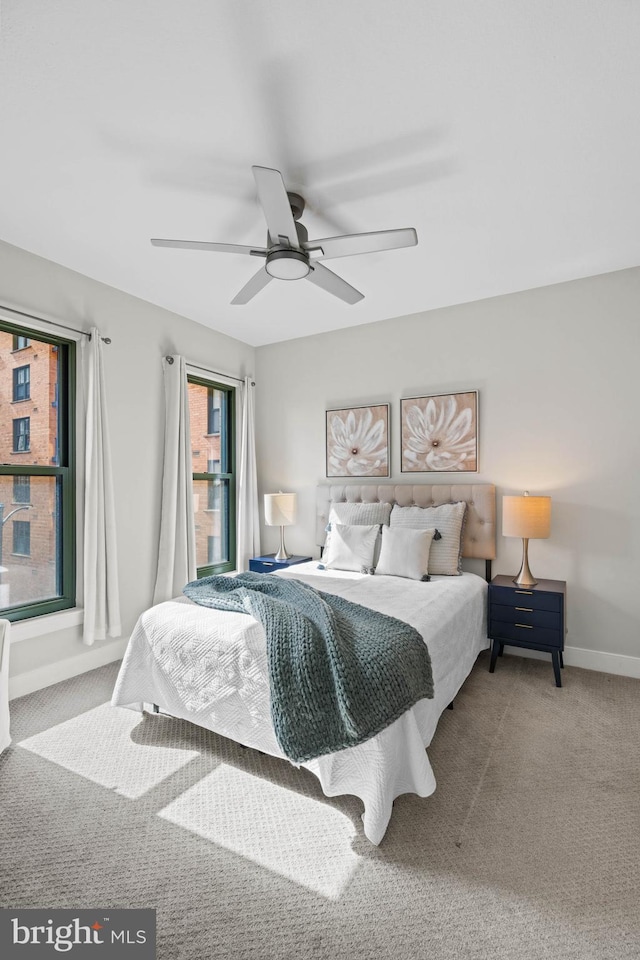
(279, 509)
(527, 517)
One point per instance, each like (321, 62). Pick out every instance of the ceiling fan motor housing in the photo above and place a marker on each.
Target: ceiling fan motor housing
(296, 202)
(287, 264)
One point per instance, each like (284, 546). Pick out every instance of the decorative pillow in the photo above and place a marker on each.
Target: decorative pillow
(405, 553)
(350, 547)
(445, 556)
(359, 513)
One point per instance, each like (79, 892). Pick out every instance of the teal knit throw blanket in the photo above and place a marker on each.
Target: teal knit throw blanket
(339, 673)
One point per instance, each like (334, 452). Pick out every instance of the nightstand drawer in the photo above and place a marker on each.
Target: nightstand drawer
(268, 563)
(264, 566)
(527, 615)
(525, 633)
(530, 599)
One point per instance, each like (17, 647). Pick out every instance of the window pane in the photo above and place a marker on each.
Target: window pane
(211, 506)
(216, 409)
(205, 445)
(31, 437)
(21, 383)
(22, 537)
(210, 414)
(22, 489)
(30, 544)
(21, 435)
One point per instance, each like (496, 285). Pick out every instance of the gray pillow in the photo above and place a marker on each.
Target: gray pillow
(445, 556)
(357, 513)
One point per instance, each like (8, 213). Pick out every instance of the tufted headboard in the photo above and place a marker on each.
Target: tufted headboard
(480, 527)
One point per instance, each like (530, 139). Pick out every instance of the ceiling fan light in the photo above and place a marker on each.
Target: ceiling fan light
(287, 265)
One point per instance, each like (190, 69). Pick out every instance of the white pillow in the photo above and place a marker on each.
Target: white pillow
(405, 553)
(359, 513)
(445, 557)
(350, 547)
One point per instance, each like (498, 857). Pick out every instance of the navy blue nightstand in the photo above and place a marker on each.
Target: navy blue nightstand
(268, 563)
(531, 617)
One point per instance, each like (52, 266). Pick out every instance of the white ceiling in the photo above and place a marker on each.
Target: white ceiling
(507, 132)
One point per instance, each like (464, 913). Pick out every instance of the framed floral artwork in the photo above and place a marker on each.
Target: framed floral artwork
(439, 434)
(358, 441)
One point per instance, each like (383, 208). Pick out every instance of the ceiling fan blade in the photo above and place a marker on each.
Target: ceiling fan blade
(332, 283)
(275, 203)
(216, 247)
(255, 285)
(352, 244)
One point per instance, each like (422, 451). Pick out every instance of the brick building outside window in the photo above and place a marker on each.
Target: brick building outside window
(37, 541)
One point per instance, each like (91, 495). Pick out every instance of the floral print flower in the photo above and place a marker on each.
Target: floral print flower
(438, 433)
(357, 442)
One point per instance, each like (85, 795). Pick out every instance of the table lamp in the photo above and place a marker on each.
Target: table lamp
(280, 511)
(529, 518)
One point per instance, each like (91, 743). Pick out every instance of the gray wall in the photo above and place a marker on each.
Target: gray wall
(141, 334)
(557, 372)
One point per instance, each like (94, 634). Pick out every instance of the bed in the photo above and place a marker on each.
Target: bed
(210, 666)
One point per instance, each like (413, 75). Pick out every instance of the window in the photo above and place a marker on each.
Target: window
(211, 414)
(22, 537)
(213, 496)
(22, 489)
(21, 383)
(214, 549)
(37, 495)
(215, 414)
(21, 434)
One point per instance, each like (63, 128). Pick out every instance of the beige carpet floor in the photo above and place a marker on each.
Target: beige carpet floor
(530, 847)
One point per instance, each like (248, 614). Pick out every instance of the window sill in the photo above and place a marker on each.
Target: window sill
(49, 623)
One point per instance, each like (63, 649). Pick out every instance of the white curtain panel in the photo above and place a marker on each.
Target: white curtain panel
(248, 511)
(101, 593)
(177, 550)
(5, 737)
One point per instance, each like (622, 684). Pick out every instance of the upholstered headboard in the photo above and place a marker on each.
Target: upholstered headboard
(480, 527)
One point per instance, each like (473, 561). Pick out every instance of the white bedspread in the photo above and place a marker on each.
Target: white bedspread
(210, 667)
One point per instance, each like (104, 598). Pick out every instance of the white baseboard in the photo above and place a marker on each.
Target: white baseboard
(617, 663)
(51, 673)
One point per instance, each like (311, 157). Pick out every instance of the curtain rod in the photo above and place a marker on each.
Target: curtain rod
(216, 373)
(54, 323)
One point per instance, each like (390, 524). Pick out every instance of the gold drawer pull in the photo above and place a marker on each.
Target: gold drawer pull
(525, 609)
(529, 593)
(525, 626)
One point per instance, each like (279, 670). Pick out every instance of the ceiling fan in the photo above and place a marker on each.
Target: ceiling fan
(289, 254)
